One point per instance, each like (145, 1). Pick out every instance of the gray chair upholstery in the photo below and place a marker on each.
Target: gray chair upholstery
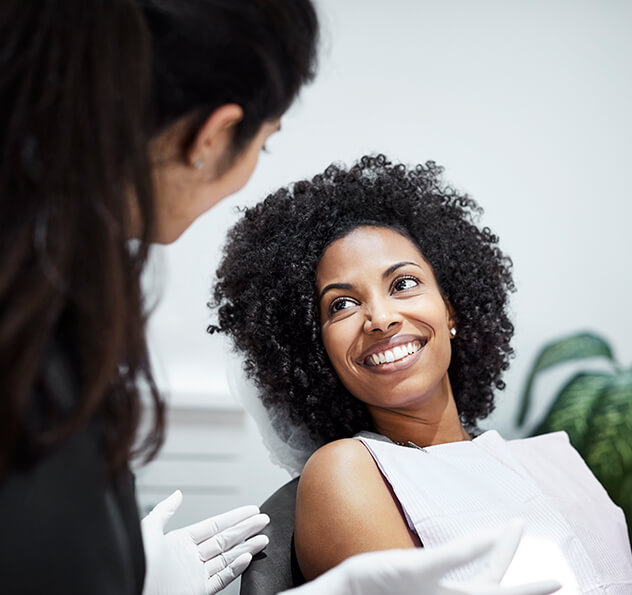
(275, 569)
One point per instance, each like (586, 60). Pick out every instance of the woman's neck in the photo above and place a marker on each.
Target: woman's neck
(434, 421)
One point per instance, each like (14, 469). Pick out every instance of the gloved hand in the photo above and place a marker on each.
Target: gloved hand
(203, 558)
(420, 571)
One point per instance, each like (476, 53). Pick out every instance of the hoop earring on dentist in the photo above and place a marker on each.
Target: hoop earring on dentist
(453, 332)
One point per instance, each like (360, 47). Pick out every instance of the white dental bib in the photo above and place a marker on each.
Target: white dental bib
(573, 532)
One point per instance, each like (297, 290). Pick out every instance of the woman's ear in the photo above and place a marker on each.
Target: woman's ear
(211, 146)
(450, 317)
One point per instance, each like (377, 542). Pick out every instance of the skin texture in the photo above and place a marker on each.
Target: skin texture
(183, 191)
(376, 290)
(344, 507)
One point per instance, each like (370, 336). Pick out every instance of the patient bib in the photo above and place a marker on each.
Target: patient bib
(573, 532)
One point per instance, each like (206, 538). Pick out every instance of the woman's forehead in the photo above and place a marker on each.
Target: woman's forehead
(367, 248)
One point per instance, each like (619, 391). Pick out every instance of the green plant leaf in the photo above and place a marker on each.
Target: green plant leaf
(571, 409)
(575, 347)
(608, 445)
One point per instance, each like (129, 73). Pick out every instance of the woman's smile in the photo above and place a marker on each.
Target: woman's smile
(398, 353)
(384, 321)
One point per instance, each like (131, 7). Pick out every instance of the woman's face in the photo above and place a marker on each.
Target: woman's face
(384, 322)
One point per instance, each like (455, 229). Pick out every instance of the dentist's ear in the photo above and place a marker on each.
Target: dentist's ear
(212, 142)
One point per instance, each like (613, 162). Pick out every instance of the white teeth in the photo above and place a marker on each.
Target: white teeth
(394, 354)
(400, 352)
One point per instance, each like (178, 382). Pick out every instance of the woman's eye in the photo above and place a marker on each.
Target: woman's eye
(405, 283)
(341, 304)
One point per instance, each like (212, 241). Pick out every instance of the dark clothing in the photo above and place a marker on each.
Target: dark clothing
(66, 526)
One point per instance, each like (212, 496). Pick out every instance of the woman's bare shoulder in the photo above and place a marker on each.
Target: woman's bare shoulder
(339, 456)
(344, 507)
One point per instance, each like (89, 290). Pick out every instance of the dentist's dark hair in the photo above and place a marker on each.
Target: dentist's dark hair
(207, 53)
(84, 86)
(74, 89)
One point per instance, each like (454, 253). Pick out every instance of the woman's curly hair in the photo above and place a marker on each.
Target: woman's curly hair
(267, 301)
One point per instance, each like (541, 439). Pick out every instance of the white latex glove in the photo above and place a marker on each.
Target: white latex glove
(203, 558)
(420, 571)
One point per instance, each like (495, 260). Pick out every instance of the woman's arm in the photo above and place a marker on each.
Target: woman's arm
(345, 507)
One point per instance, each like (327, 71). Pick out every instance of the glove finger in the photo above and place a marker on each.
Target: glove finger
(224, 577)
(252, 546)
(376, 572)
(231, 536)
(202, 530)
(165, 509)
(539, 588)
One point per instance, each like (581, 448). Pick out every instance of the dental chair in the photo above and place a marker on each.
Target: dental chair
(275, 569)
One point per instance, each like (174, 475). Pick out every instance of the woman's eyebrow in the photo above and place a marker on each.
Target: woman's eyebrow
(345, 286)
(390, 270)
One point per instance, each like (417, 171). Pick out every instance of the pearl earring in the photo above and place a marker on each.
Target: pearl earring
(453, 332)
(197, 164)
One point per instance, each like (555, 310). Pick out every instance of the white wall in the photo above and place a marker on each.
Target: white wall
(526, 104)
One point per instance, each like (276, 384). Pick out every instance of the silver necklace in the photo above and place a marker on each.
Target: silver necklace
(410, 445)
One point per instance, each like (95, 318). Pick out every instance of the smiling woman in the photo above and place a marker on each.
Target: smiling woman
(289, 232)
(385, 326)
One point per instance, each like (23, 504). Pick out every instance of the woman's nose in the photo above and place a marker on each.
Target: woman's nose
(381, 316)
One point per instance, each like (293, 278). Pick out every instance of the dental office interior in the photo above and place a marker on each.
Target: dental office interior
(525, 104)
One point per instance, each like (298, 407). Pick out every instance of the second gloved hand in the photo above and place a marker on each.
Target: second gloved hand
(200, 559)
(420, 571)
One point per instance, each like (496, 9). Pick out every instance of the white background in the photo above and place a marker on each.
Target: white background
(527, 104)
